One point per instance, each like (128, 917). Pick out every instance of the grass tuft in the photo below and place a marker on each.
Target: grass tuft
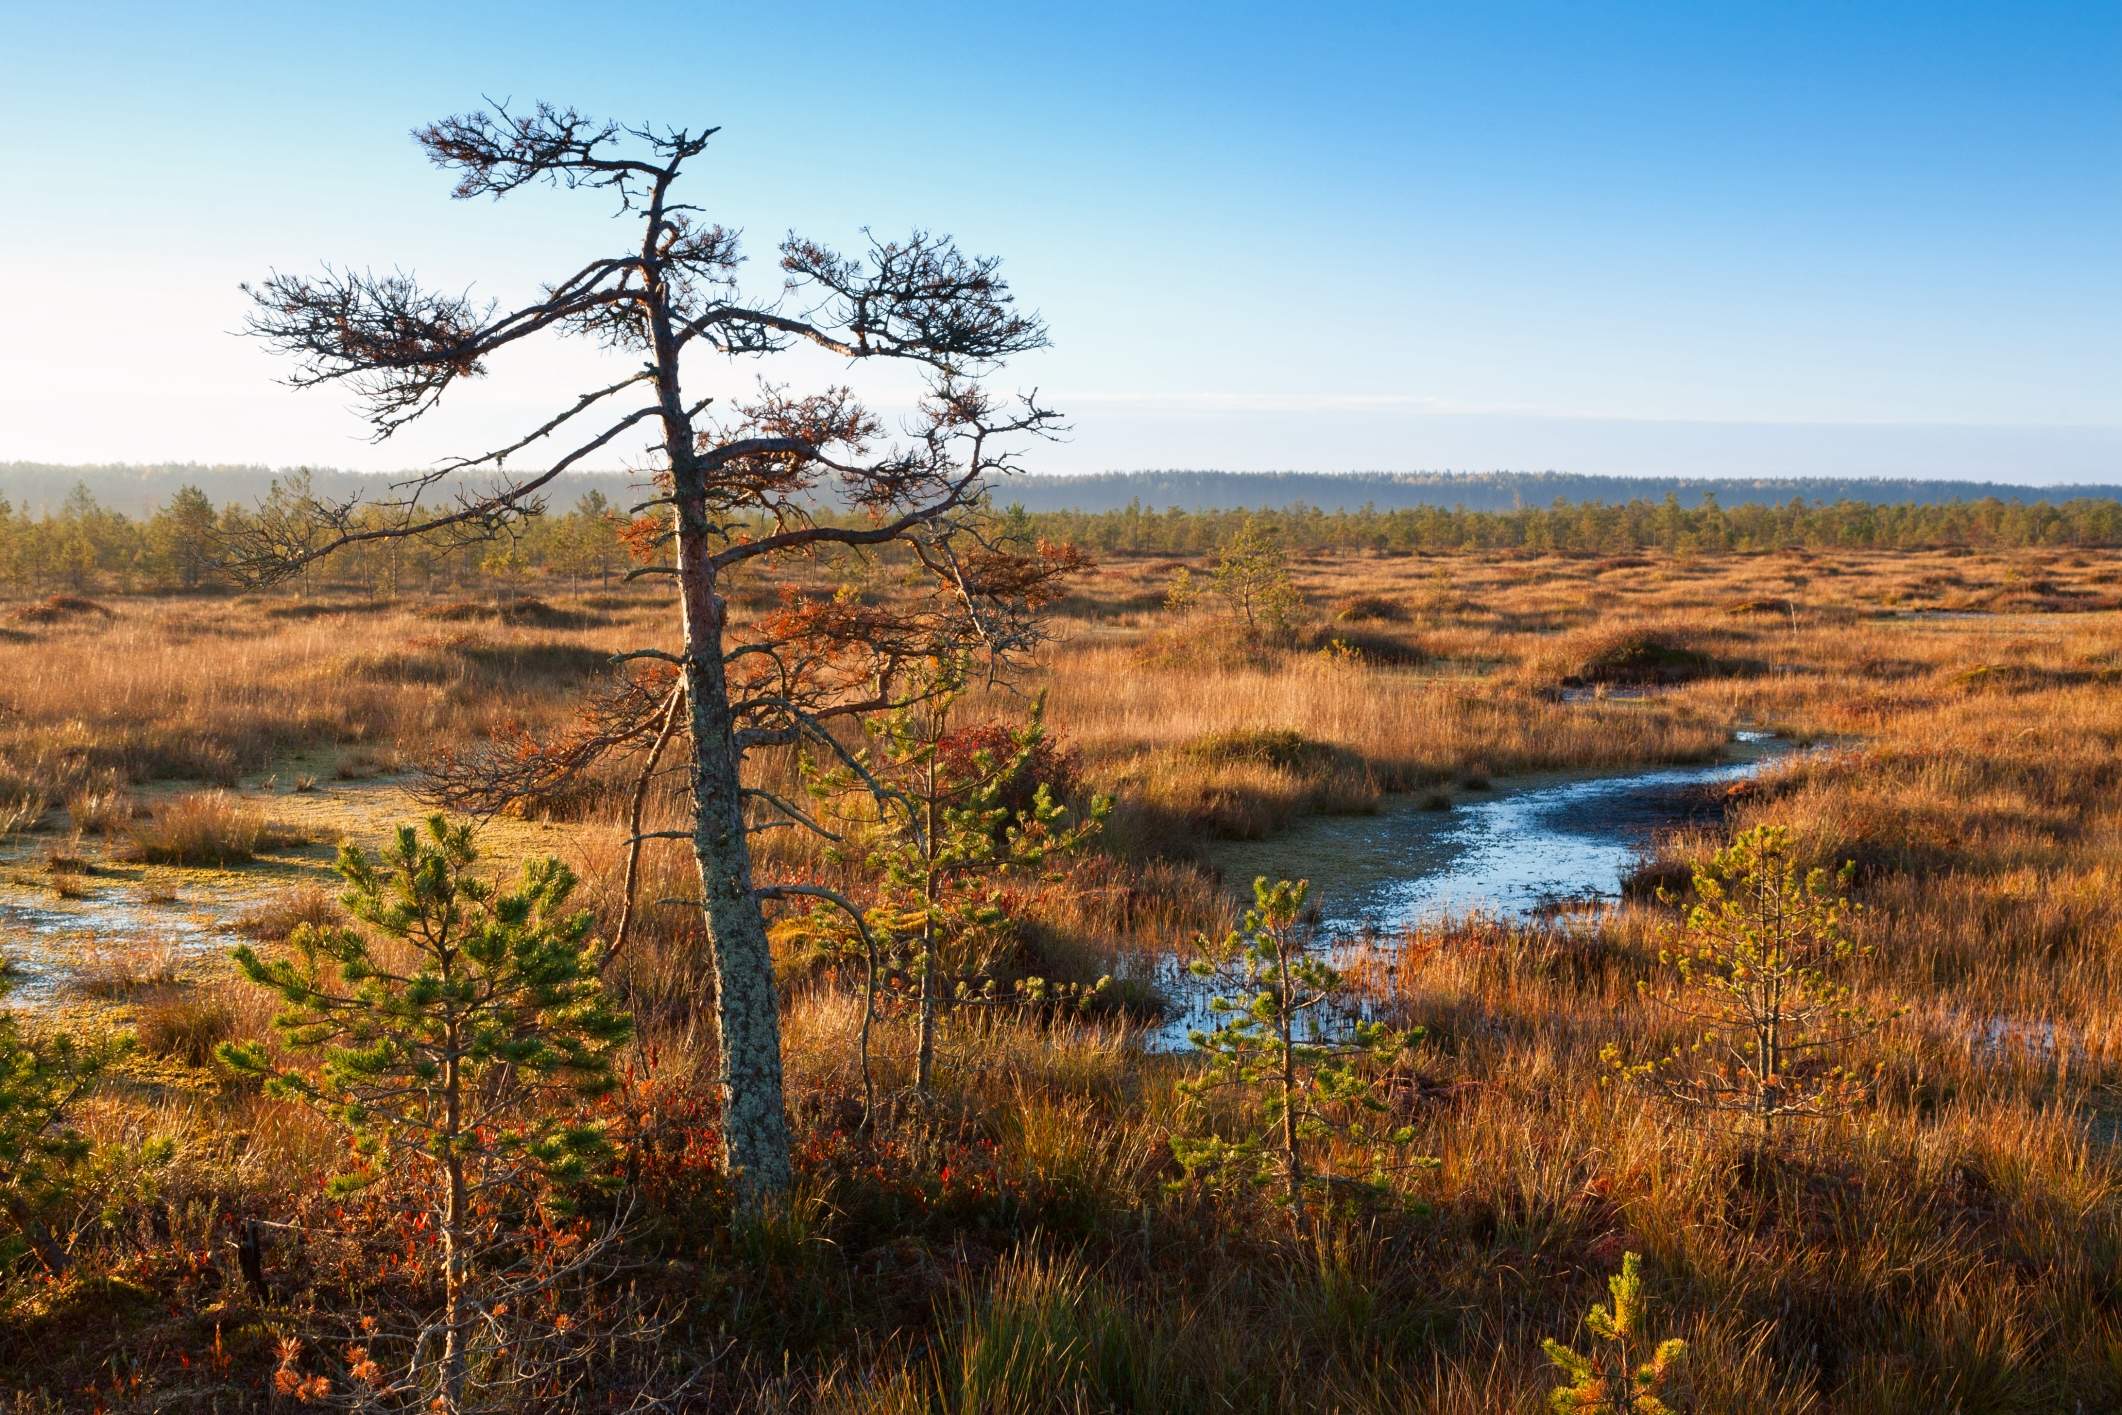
(205, 829)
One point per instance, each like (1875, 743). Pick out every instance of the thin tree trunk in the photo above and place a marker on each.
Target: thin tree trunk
(925, 1051)
(925, 1064)
(635, 812)
(1292, 1158)
(40, 1240)
(869, 1022)
(453, 1255)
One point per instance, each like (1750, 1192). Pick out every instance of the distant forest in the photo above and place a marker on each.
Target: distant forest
(1490, 491)
(86, 544)
(137, 489)
(39, 488)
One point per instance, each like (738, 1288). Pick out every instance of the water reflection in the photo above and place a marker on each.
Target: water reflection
(1558, 839)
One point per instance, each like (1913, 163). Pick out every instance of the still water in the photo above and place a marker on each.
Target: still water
(1545, 841)
(1530, 845)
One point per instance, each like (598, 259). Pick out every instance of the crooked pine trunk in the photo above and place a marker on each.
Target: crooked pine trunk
(754, 1118)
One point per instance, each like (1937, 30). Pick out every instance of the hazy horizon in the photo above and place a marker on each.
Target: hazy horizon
(1131, 438)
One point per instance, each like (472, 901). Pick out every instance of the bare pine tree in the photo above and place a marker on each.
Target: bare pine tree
(738, 487)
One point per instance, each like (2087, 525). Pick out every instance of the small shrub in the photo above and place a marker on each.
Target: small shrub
(523, 611)
(100, 810)
(1282, 748)
(1997, 677)
(1184, 648)
(183, 1026)
(1378, 650)
(540, 662)
(205, 828)
(19, 813)
(323, 608)
(361, 763)
(126, 967)
(1338, 652)
(1050, 762)
(1640, 658)
(278, 918)
(1657, 874)
(1245, 784)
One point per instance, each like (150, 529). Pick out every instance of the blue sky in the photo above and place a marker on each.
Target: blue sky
(1675, 238)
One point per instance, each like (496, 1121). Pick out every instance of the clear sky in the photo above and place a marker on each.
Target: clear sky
(1689, 237)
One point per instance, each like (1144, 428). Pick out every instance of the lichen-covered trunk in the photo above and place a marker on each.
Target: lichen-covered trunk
(754, 1118)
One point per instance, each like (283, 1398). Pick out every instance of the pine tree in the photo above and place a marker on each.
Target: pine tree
(40, 1079)
(1611, 1381)
(1756, 966)
(454, 1028)
(180, 538)
(1289, 1034)
(940, 834)
(1252, 578)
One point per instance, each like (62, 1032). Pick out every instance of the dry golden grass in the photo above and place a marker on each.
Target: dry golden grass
(1952, 1247)
(204, 828)
(217, 689)
(125, 967)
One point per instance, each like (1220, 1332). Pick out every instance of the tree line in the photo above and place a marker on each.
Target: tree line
(183, 545)
(1494, 490)
(1603, 528)
(84, 545)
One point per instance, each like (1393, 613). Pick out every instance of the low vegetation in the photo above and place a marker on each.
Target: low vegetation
(1626, 1373)
(205, 828)
(1921, 1212)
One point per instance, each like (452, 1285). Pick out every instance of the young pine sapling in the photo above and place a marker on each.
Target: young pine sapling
(1616, 1378)
(457, 1025)
(1757, 968)
(943, 819)
(40, 1079)
(1287, 1031)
